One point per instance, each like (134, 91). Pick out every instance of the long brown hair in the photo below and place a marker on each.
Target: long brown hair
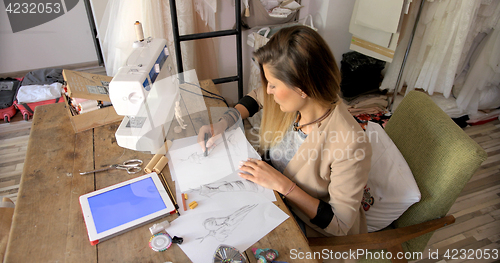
(299, 57)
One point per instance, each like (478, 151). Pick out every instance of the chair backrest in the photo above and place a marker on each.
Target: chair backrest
(441, 156)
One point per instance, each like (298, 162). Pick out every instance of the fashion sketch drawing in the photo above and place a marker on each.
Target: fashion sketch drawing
(228, 186)
(198, 157)
(221, 228)
(233, 143)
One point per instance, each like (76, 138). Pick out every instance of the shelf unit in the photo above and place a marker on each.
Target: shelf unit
(236, 32)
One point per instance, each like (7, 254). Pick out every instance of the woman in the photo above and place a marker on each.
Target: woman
(319, 156)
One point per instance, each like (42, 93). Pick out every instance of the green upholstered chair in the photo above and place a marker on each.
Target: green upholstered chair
(442, 158)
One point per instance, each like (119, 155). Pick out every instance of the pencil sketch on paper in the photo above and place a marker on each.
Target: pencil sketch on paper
(194, 158)
(233, 142)
(197, 157)
(211, 189)
(221, 228)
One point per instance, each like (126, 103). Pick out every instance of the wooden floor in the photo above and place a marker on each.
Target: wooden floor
(477, 212)
(13, 144)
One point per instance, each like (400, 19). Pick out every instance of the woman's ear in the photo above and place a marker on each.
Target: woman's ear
(301, 93)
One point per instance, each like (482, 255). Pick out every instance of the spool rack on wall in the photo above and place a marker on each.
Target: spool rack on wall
(221, 33)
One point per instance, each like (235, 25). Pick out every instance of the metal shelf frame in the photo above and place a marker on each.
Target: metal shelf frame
(221, 33)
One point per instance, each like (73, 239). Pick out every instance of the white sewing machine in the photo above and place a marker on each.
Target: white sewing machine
(145, 90)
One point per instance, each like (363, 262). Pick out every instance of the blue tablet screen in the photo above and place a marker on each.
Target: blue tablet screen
(125, 204)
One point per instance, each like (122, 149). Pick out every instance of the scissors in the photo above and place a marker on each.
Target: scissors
(132, 166)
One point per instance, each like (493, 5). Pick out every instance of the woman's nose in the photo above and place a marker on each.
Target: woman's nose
(269, 90)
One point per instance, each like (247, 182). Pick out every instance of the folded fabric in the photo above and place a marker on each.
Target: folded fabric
(43, 76)
(36, 93)
(370, 110)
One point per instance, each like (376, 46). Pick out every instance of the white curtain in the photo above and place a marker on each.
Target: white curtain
(119, 19)
(441, 45)
(206, 10)
(436, 47)
(477, 85)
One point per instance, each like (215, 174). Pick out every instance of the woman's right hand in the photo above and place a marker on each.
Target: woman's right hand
(213, 132)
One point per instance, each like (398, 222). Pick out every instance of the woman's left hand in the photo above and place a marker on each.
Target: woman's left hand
(265, 175)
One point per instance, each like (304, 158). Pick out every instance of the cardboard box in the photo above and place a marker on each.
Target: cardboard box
(89, 86)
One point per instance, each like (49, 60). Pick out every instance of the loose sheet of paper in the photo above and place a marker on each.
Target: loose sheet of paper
(239, 227)
(230, 191)
(191, 169)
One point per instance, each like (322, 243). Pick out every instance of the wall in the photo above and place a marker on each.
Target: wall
(332, 20)
(227, 52)
(98, 9)
(66, 40)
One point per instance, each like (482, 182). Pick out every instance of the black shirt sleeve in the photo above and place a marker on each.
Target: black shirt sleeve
(249, 103)
(324, 215)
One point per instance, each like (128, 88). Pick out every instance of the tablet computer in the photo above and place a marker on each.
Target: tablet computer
(121, 207)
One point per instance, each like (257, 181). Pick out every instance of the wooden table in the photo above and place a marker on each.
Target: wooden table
(48, 224)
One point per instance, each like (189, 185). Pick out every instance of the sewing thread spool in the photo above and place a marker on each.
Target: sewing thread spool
(138, 31)
(76, 101)
(89, 109)
(160, 165)
(149, 168)
(87, 104)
